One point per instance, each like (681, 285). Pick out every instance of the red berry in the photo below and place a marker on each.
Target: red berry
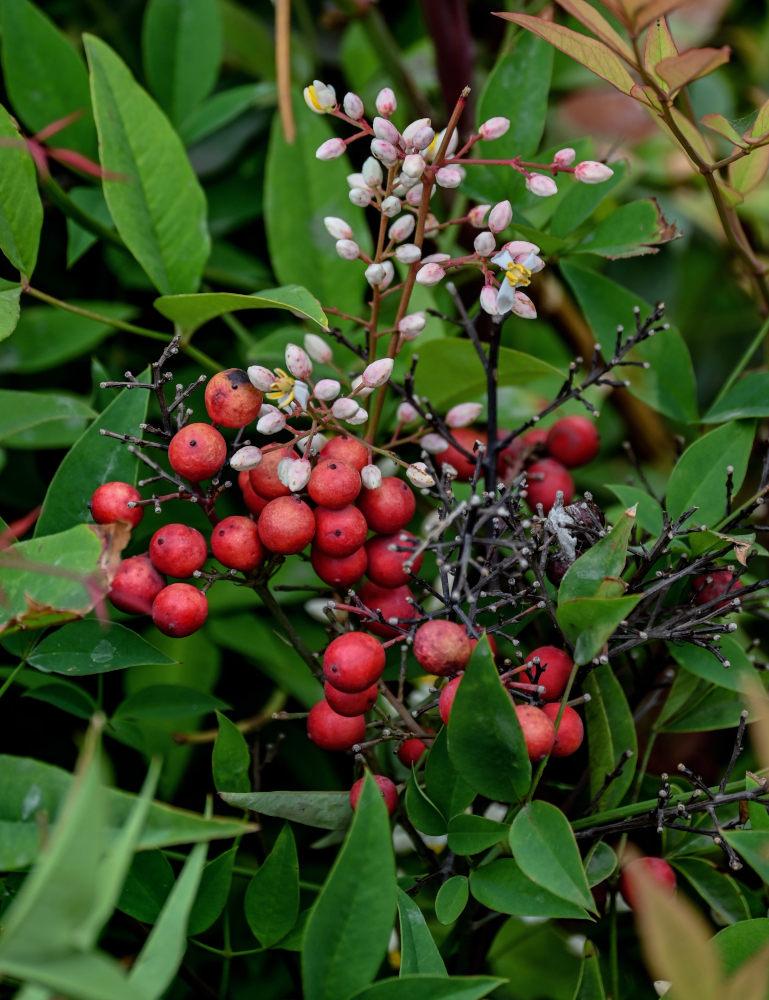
(339, 532)
(197, 452)
(544, 479)
(178, 550)
(334, 484)
(286, 525)
(389, 507)
(386, 787)
(136, 585)
(717, 583)
(231, 400)
(492, 643)
(332, 731)
(568, 733)
(442, 647)
(557, 666)
(446, 699)
(411, 751)
(264, 478)
(235, 543)
(254, 502)
(109, 503)
(179, 609)
(339, 571)
(351, 702)
(573, 441)
(466, 438)
(511, 460)
(386, 556)
(656, 868)
(353, 661)
(346, 449)
(393, 602)
(538, 731)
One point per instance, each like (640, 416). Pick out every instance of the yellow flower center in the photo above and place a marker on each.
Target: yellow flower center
(314, 98)
(282, 389)
(518, 275)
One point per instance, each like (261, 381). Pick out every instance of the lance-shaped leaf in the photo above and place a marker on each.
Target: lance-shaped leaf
(591, 19)
(590, 986)
(659, 45)
(681, 69)
(747, 173)
(192, 311)
(610, 733)
(639, 13)
(231, 758)
(749, 397)
(603, 561)
(21, 211)
(419, 953)
(418, 987)
(328, 810)
(93, 647)
(717, 123)
(271, 902)
(10, 292)
(444, 786)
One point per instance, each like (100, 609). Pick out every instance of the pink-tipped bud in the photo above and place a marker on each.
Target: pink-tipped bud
(407, 413)
(402, 228)
(298, 361)
(430, 274)
(319, 97)
(360, 196)
(377, 373)
(331, 149)
(411, 325)
(388, 275)
(523, 306)
(359, 390)
(488, 300)
(592, 172)
(344, 408)
(414, 165)
(463, 414)
(418, 475)
(353, 106)
(431, 224)
(246, 458)
(448, 177)
(414, 195)
(391, 206)
(375, 274)
(541, 185)
(384, 151)
(294, 473)
(337, 228)
(317, 348)
(484, 244)
(494, 127)
(422, 138)
(359, 417)
(327, 389)
(433, 444)
(372, 172)
(477, 215)
(437, 258)
(260, 377)
(371, 477)
(412, 128)
(564, 157)
(500, 216)
(348, 249)
(385, 101)
(271, 422)
(408, 253)
(384, 129)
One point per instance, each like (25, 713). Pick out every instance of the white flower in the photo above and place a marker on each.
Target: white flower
(519, 259)
(319, 97)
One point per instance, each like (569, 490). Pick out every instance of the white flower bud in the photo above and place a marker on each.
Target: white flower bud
(564, 157)
(246, 458)
(337, 228)
(377, 373)
(359, 390)
(422, 138)
(401, 228)
(434, 444)
(412, 128)
(348, 249)
(384, 151)
(384, 129)
(463, 414)
(372, 172)
(411, 325)
(414, 195)
(448, 177)
(359, 417)
(484, 244)
(371, 477)
(360, 196)
(331, 149)
(541, 185)
(385, 101)
(375, 274)
(271, 422)
(488, 300)
(260, 377)
(319, 97)
(327, 389)
(408, 253)
(407, 413)
(389, 274)
(317, 348)
(431, 224)
(592, 172)
(523, 306)
(494, 128)
(437, 258)
(430, 274)
(418, 475)
(353, 106)
(298, 361)
(500, 216)
(356, 180)
(477, 215)
(414, 165)
(344, 408)
(391, 206)
(311, 444)
(298, 474)
(301, 396)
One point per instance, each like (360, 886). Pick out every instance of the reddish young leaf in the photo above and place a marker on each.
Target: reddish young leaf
(679, 70)
(591, 19)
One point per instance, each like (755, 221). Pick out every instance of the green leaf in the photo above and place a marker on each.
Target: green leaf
(589, 622)
(610, 731)
(182, 47)
(93, 459)
(222, 108)
(648, 511)
(546, 850)
(213, 893)
(22, 412)
(629, 231)
(271, 902)
(581, 200)
(739, 942)
(10, 292)
(753, 847)
(590, 986)
(698, 478)
(451, 899)
(299, 192)
(469, 834)
(157, 205)
(418, 987)
(327, 810)
(350, 924)
(90, 976)
(443, 784)
(146, 887)
(707, 707)
(739, 676)
(419, 954)
(166, 701)
(668, 384)
(600, 863)
(719, 890)
(45, 77)
(93, 647)
(67, 697)
(749, 397)
(492, 758)
(423, 813)
(587, 576)
(502, 886)
(192, 311)
(231, 758)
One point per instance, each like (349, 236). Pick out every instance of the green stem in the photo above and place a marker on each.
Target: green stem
(11, 677)
(223, 953)
(613, 949)
(264, 592)
(738, 369)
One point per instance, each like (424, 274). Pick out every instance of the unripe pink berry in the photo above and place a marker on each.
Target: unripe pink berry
(332, 731)
(353, 661)
(179, 610)
(541, 185)
(331, 149)
(109, 503)
(592, 172)
(442, 647)
(556, 666)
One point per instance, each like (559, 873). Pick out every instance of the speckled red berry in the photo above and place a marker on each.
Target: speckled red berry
(386, 556)
(544, 480)
(351, 702)
(411, 751)
(339, 571)
(573, 441)
(136, 585)
(446, 698)
(334, 484)
(231, 400)
(466, 438)
(393, 602)
(442, 647)
(235, 543)
(332, 731)
(264, 478)
(569, 732)
(109, 504)
(717, 583)
(286, 525)
(197, 452)
(179, 609)
(557, 666)
(339, 532)
(253, 501)
(178, 550)
(655, 868)
(538, 731)
(346, 449)
(386, 787)
(353, 661)
(389, 507)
